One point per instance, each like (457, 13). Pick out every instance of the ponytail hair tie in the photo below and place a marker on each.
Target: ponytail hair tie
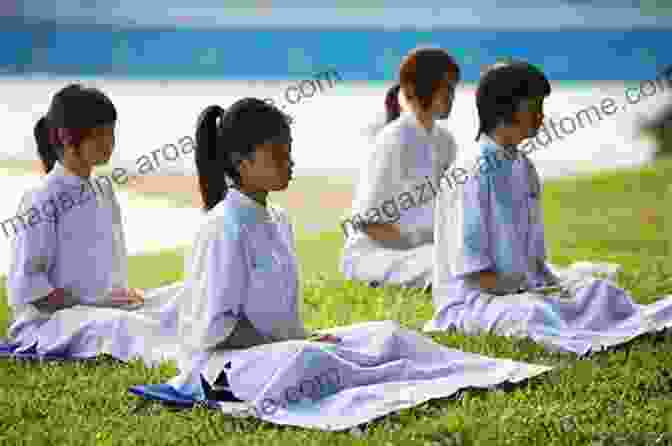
(60, 136)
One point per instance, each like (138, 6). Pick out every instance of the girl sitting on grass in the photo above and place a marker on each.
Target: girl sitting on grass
(239, 321)
(68, 279)
(490, 258)
(244, 251)
(389, 242)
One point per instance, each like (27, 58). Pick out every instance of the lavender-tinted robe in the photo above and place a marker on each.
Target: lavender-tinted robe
(73, 239)
(494, 222)
(244, 262)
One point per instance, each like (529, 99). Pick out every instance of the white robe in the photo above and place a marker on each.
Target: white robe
(398, 185)
(244, 263)
(493, 221)
(74, 239)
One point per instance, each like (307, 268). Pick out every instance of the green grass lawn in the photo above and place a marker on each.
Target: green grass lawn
(624, 394)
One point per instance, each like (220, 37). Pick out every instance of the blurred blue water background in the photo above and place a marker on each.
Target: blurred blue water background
(360, 54)
(168, 59)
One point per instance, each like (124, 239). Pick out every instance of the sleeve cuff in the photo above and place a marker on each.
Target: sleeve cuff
(473, 267)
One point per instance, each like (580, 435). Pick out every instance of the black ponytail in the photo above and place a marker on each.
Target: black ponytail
(225, 137)
(45, 149)
(392, 106)
(208, 159)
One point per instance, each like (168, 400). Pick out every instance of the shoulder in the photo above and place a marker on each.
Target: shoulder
(230, 222)
(223, 222)
(471, 168)
(47, 189)
(390, 143)
(395, 133)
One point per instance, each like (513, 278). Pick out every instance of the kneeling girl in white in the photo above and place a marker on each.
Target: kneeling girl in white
(389, 234)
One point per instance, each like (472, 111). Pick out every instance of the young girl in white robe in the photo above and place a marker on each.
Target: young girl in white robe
(239, 319)
(69, 255)
(389, 235)
(491, 272)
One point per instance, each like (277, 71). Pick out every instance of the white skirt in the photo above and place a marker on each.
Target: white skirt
(364, 259)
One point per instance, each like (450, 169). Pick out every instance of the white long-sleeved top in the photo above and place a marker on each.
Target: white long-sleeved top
(398, 184)
(242, 262)
(68, 234)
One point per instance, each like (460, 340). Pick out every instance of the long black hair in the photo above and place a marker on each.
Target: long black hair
(77, 109)
(502, 88)
(225, 137)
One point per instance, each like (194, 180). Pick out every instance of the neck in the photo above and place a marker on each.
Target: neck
(426, 120)
(504, 137)
(424, 117)
(75, 167)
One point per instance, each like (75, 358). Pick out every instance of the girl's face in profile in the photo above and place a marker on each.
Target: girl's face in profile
(97, 147)
(442, 101)
(270, 169)
(530, 116)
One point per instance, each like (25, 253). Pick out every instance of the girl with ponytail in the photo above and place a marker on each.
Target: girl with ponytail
(71, 248)
(242, 290)
(245, 148)
(77, 131)
(390, 240)
(241, 284)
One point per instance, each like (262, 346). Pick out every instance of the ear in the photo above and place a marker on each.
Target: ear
(244, 165)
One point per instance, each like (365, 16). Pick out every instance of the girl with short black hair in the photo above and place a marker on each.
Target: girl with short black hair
(491, 261)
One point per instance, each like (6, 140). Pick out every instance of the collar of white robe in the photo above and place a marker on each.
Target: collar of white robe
(243, 200)
(69, 178)
(511, 150)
